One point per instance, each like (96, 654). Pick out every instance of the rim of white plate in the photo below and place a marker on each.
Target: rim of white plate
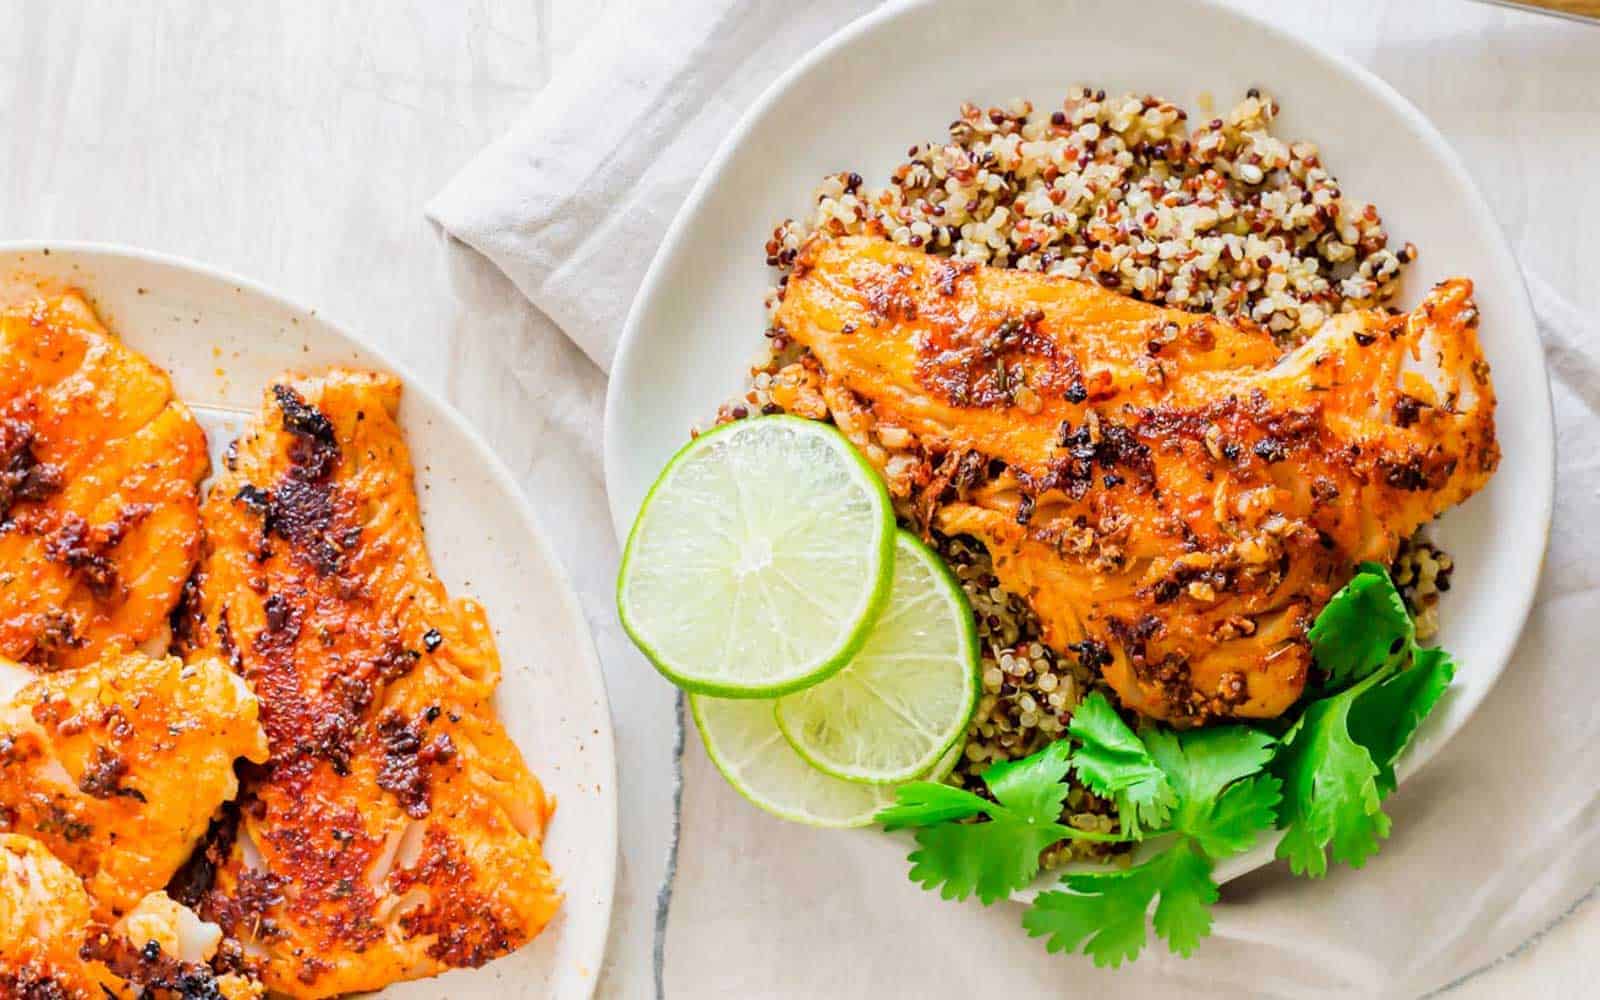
(605, 744)
(1428, 742)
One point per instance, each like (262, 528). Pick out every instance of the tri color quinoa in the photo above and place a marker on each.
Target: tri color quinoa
(1221, 217)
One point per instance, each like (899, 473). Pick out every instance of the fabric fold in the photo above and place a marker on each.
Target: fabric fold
(573, 200)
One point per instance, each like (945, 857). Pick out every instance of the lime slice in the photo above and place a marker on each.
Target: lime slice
(743, 741)
(759, 560)
(908, 694)
(947, 763)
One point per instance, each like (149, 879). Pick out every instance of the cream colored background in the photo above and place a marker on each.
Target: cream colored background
(296, 141)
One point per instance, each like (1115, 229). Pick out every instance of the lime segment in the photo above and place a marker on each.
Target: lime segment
(908, 694)
(759, 559)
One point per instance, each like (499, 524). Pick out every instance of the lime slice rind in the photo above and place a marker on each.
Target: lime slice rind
(742, 738)
(909, 693)
(947, 764)
(759, 560)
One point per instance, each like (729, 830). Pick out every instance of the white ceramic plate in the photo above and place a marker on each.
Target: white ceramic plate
(222, 338)
(899, 76)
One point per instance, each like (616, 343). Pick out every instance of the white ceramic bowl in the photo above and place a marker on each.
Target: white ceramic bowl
(223, 338)
(899, 76)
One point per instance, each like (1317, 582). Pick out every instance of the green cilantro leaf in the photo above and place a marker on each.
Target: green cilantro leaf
(1233, 821)
(1364, 628)
(1035, 786)
(1338, 761)
(1104, 912)
(924, 803)
(1386, 717)
(1183, 913)
(1330, 789)
(1114, 764)
(1219, 802)
(994, 859)
(989, 860)
(1202, 762)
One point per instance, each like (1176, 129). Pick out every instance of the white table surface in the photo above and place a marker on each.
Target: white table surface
(296, 140)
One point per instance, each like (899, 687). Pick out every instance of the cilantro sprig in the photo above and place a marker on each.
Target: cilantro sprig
(1337, 764)
(1189, 799)
(1219, 802)
(1113, 763)
(1104, 912)
(994, 859)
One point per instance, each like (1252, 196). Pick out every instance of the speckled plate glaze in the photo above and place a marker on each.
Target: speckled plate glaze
(899, 75)
(222, 338)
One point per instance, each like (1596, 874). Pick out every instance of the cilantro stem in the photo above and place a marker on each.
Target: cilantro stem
(1073, 833)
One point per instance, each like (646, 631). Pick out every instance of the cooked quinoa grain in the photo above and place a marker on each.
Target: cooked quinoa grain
(1422, 572)
(1220, 216)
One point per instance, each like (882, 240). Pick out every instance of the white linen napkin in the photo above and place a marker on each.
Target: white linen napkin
(1494, 840)
(572, 202)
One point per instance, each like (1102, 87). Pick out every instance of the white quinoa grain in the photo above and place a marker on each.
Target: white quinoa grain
(1225, 218)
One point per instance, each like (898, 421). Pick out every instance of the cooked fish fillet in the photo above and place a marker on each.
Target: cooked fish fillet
(1175, 499)
(118, 767)
(51, 948)
(163, 951)
(44, 918)
(395, 832)
(100, 468)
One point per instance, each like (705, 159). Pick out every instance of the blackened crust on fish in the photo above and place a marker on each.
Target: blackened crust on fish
(303, 508)
(253, 497)
(22, 476)
(59, 630)
(304, 513)
(1133, 636)
(1091, 654)
(243, 915)
(406, 761)
(1111, 447)
(1406, 409)
(315, 449)
(996, 361)
(466, 927)
(35, 981)
(188, 618)
(230, 650)
(102, 779)
(87, 550)
(282, 619)
(1415, 472)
